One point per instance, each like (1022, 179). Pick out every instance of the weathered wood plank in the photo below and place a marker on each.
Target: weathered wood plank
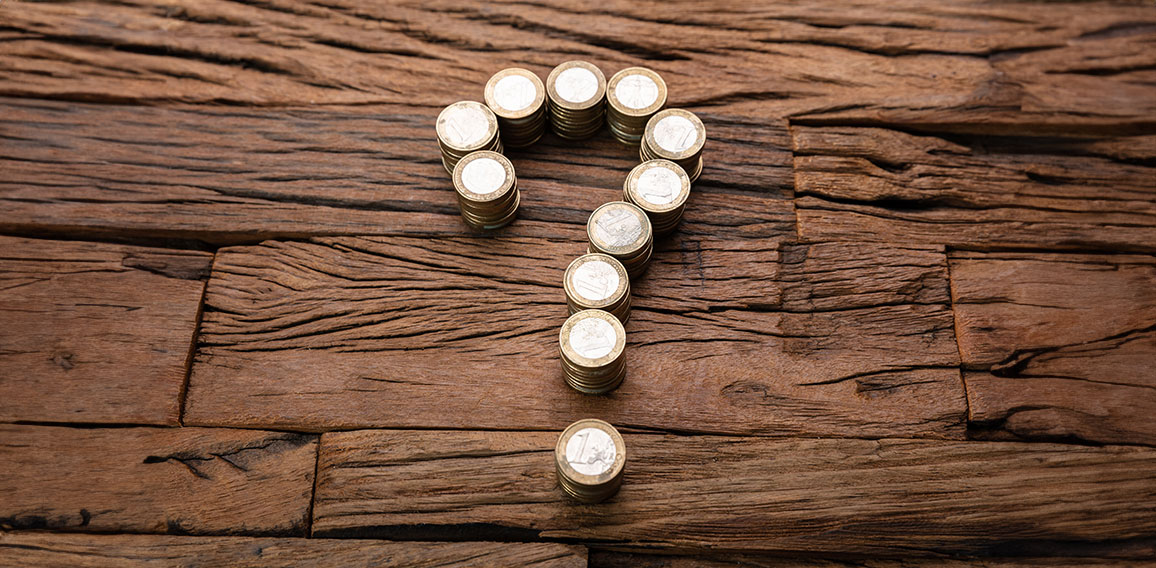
(874, 184)
(32, 550)
(1058, 346)
(228, 174)
(877, 498)
(612, 559)
(971, 66)
(96, 332)
(155, 480)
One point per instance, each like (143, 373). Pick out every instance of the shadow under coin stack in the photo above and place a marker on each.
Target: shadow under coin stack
(633, 95)
(660, 188)
(577, 94)
(623, 231)
(592, 343)
(464, 127)
(676, 135)
(590, 457)
(487, 190)
(597, 282)
(518, 98)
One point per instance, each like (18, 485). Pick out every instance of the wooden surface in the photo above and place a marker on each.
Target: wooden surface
(908, 319)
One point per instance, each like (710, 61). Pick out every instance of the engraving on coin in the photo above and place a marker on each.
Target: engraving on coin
(483, 176)
(675, 134)
(576, 85)
(514, 93)
(590, 451)
(595, 280)
(466, 127)
(659, 185)
(592, 338)
(636, 91)
(617, 227)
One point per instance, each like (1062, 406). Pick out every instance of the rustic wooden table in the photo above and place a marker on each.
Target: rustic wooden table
(909, 319)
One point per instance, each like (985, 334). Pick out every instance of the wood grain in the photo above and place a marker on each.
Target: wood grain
(96, 332)
(193, 172)
(34, 550)
(1058, 346)
(612, 559)
(726, 337)
(884, 185)
(869, 497)
(155, 480)
(960, 64)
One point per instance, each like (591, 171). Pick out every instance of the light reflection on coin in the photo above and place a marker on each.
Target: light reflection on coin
(591, 451)
(636, 91)
(675, 134)
(515, 92)
(595, 281)
(576, 85)
(592, 338)
(659, 186)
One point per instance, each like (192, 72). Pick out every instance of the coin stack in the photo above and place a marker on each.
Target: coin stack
(518, 98)
(464, 127)
(590, 458)
(623, 231)
(598, 282)
(660, 188)
(592, 344)
(577, 93)
(487, 190)
(633, 95)
(676, 135)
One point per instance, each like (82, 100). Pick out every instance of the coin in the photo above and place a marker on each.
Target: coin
(633, 95)
(590, 458)
(597, 281)
(465, 127)
(576, 92)
(591, 345)
(487, 190)
(622, 230)
(660, 188)
(518, 99)
(676, 135)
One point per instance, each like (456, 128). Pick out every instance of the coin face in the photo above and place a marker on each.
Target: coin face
(636, 91)
(617, 227)
(592, 338)
(591, 451)
(466, 125)
(576, 85)
(595, 281)
(483, 176)
(659, 186)
(675, 134)
(515, 92)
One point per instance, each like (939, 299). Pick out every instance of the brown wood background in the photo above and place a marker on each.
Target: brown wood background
(909, 318)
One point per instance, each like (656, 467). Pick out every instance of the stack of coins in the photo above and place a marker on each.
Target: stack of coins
(676, 135)
(622, 230)
(590, 458)
(592, 343)
(660, 188)
(577, 92)
(487, 190)
(464, 127)
(633, 95)
(518, 98)
(597, 282)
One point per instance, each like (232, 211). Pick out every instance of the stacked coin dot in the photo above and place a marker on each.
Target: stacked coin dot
(487, 190)
(676, 135)
(622, 230)
(660, 188)
(464, 127)
(598, 282)
(590, 458)
(592, 343)
(518, 98)
(633, 95)
(577, 95)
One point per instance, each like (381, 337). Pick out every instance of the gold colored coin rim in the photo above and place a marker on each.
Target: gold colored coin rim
(539, 98)
(648, 135)
(582, 479)
(575, 358)
(552, 91)
(612, 97)
(491, 119)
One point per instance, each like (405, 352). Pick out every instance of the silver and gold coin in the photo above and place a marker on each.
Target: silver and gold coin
(633, 95)
(660, 188)
(465, 127)
(518, 98)
(576, 91)
(677, 135)
(592, 344)
(487, 190)
(622, 230)
(590, 458)
(597, 282)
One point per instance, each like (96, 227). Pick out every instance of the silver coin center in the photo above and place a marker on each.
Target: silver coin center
(675, 134)
(659, 186)
(617, 227)
(466, 127)
(483, 176)
(636, 91)
(595, 280)
(515, 92)
(576, 85)
(592, 338)
(590, 451)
